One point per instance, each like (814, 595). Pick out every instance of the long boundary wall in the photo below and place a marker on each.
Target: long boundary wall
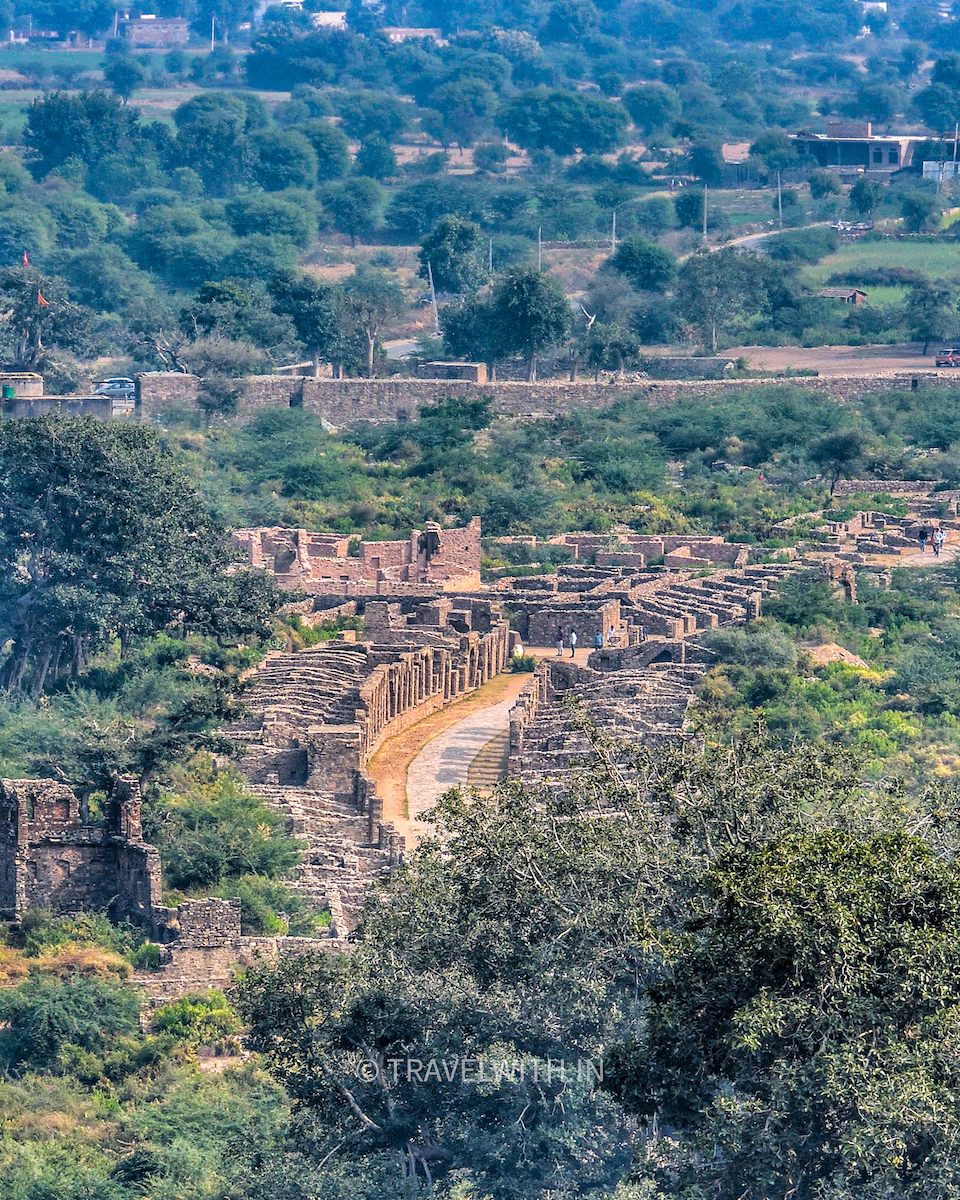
(344, 402)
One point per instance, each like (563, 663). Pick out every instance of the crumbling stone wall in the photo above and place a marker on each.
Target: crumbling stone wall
(53, 856)
(206, 949)
(344, 402)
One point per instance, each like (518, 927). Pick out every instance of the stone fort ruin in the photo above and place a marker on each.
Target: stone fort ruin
(447, 559)
(432, 634)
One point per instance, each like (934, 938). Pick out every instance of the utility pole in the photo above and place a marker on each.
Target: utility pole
(433, 299)
(779, 202)
(704, 211)
(490, 258)
(613, 234)
(213, 30)
(539, 247)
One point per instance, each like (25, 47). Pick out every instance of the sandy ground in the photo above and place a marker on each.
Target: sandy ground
(839, 360)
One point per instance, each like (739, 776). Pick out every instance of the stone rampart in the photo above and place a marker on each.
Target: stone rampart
(208, 949)
(347, 401)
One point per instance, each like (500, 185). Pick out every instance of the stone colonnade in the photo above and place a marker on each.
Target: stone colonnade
(423, 680)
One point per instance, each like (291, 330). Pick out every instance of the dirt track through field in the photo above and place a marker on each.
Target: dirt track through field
(841, 360)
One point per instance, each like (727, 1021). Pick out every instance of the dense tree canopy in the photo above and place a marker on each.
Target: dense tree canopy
(102, 537)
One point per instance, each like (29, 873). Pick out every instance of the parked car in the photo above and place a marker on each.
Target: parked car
(948, 357)
(119, 386)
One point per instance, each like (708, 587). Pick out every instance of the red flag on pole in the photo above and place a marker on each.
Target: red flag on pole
(40, 300)
(26, 260)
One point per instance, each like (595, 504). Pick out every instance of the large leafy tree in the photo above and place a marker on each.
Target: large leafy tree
(40, 319)
(802, 1039)
(213, 140)
(545, 119)
(91, 126)
(645, 264)
(930, 312)
(531, 312)
(717, 290)
(319, 316)
(454, 250)
(533, 927)
(102, 537)
(372, 299)
(355, 206)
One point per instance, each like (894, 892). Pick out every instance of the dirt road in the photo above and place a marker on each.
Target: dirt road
(841, 360)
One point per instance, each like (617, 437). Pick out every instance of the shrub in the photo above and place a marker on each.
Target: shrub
(43, 1015)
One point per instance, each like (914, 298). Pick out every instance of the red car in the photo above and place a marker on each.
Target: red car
(948, 358)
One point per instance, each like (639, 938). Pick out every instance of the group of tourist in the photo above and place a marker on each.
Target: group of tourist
(923, 536)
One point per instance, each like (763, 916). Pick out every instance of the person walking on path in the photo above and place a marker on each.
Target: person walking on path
(559, 642)
(598, 641)
(939, 537)
(922, 534)
(573, 642)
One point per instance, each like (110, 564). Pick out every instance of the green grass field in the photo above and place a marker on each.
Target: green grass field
(939, 260)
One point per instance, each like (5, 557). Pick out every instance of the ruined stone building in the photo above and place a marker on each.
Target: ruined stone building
(434, 559)
(316, 717)
(637, 690)
(52, 855)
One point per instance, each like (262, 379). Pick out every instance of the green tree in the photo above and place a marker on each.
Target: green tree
(920, 211)
(707, 164)
(42, 1016)
(865, 195)
(564, 122)
(653, 108)
(688, 206)
(40, 318)
(454, 248)
(373, 298)
(938, 106)
(283, 158)
(775, 150)
(930, 312)
(331, 147)
(472, 331)
(376, 159)
(89, 17)
(464, 106)
(318, 314)
(837, 454)
(103, 537)
(819, 985)
(823, 184)
(125, 75)
(718, 290)
(355, 206)
(228, 16)
(213, 140)
(645, 264)
(283, 217)
(90, 126)
(532, 313)
(373, 114)
(876, 102)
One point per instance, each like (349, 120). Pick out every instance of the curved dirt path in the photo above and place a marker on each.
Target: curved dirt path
(445, 761)
(390, 766)
(415, 768)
